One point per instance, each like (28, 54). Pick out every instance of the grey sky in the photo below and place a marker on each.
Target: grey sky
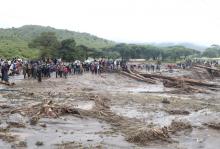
(196, 21)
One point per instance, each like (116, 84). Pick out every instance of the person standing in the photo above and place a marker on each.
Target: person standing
(34, 70)
(57, 70)
(39, 73)
(65, 71)
(4, 70)
(29, 68)
(25, 69)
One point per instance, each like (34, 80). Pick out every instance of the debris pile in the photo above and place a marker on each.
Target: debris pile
(66, 145)
(145, 135)
(47, 109)
(165, 101)
(176, 126)
(185, 85)
(213, 125)
(178, 112)
(214, 72)
(135, 130)
(7, 137)
(7, 83)
(201, 74)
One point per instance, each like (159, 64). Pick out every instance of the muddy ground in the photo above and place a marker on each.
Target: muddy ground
(130, 106)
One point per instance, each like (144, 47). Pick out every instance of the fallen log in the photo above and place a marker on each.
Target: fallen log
(178, 112)
(214, 72)
(213, 125)
(184, 86)
(201, 74)
(131, 76)
(7, 83)
(171, 84)
(185, 80)
(137, 77)
(206, 67)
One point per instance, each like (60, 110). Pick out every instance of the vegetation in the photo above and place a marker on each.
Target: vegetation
(37, 41)
(66, 49)
(127, 51)
(213, 51)
(48, 44)
(15, 41)
(30, 32)
(17, 48)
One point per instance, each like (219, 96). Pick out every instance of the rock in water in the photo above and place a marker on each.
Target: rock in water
(16, 120)
(3, 127)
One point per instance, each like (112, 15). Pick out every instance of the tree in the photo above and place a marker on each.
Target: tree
(213, 51)
(47, 42)
(83, 52)
(152, 52)
(110, 54)
(67, 49)
(123, 49)
(177, 52)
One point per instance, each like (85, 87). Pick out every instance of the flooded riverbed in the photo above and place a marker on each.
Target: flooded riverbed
(132, 100)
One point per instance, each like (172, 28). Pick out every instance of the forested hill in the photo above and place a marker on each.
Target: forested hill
(29, 32)
(18, 42)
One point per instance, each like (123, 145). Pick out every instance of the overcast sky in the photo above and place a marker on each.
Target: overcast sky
(196, 21)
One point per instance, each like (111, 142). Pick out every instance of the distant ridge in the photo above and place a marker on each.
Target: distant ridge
(29, 32)
(185, 44)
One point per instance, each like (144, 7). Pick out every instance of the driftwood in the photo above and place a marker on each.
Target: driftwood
(138, 77)
(214, 72)
(177, 126)
(170, 84)
(184, 86)
(178, 112)
(144, 135)
(206, 67)
(181, 79)
(7, 83)
(213, 125)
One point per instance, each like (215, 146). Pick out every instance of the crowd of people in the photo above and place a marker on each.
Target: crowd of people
(209, 63)
(10, 68)
(187, 64)
(38, 69)
(149, 67)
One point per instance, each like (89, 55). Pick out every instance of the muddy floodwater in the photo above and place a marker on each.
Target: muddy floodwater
(137, 103)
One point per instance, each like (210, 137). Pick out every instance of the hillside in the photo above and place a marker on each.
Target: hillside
(10, 48)
(197, 47)
(14, 41)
